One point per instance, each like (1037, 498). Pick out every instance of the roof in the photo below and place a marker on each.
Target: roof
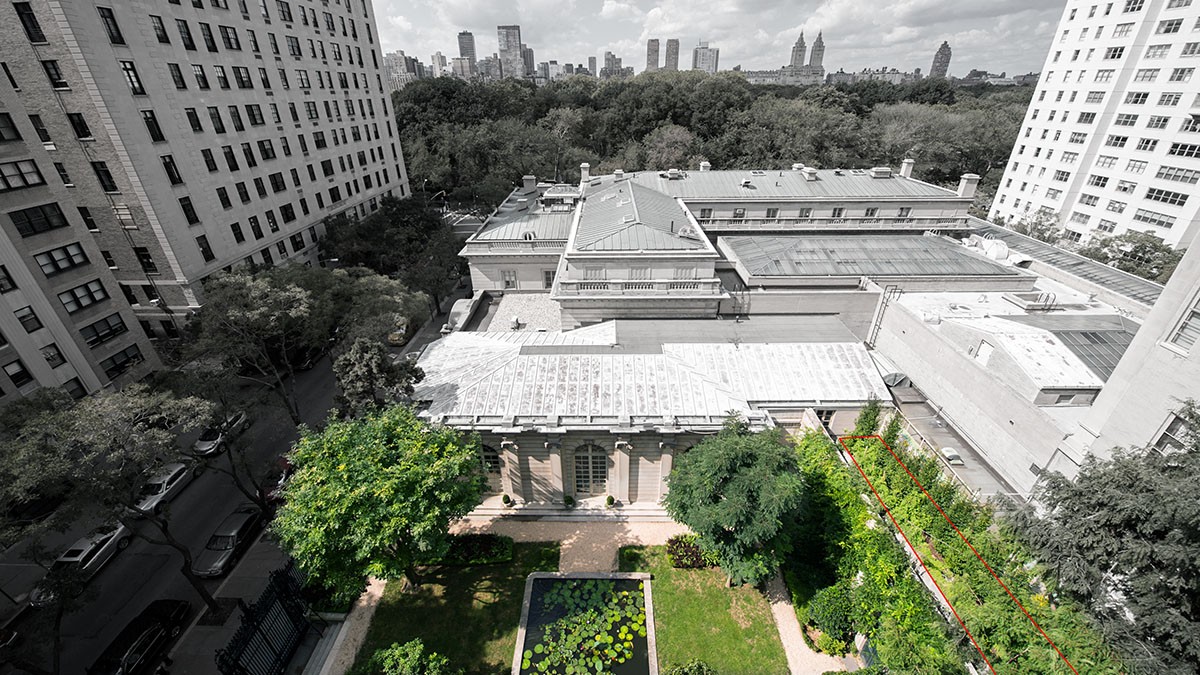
(758, 328)
(540, 376)
(630, 217)
(870, 255)
(521, 214)
(852, 183)
(1097, 341)
(1044, 359)
(1133, 287)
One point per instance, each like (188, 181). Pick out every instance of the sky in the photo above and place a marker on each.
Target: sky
(993, 35)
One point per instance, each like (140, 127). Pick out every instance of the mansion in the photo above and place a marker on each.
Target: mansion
(619, 321)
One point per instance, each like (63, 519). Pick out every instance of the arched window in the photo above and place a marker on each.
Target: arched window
(529, 236)
(591, 470)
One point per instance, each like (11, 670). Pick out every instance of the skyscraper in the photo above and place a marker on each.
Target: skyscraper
(512, 62)
(672, 61)
(705, 58)
(798, 52)
(1112, 146)
(527, 58)
(138, 163)
(651, 55)
(466, 47)
(592, 67)
(816, 58)
(941, 61)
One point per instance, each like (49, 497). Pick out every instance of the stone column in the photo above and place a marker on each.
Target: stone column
(554, 447)
(510, 470)
(667, 460)
(618, 479)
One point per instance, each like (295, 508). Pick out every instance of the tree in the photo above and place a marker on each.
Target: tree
(1140, 253)
(739, 491)
(1039, 225)
(372, 496)
(369, 378)
(409, 658)
(1122, 539)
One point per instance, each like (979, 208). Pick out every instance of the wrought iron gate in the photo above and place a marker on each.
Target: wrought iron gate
(272, 628)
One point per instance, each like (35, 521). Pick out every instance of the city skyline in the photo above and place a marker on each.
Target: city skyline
(1005, 37)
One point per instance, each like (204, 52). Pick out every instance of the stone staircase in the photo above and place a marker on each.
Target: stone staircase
(589, 510)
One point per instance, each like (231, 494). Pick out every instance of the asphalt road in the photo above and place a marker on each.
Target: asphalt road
(144, 571)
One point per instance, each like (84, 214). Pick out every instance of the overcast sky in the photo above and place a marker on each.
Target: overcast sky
(996, 35)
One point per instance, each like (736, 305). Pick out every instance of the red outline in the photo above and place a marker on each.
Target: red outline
(842, 441)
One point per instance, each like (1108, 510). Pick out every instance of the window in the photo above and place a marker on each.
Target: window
(277, 182)
(40, 127)
(1080, 218)
(230, 158)
(1190, 124)
(236, 229)
(193, 119)
(8, 130)
(1182, 74)
(1157, 122)
(1178, 175)
(110, 26)
(189, 211)
(19, 175)
(33, 30)
(222, 78)
(1069, 157)
(53, 356)
(1094, 97)
(1166, 196)
(104, 176)
(1190, 49)
(1170, 98)
(79, 125)
(1175, 4)
(263, 78)
(1146, 144)
(17, 373)
(242, 76)
(1146, 75)
(177, 76)
(1105, 161)
(83, 296)
(102, 331)
(109, 261)
(201, 77)
(1168, 27)
(255, 227)
(1157, 51)
(266, 150)
(61, 259)
(121, 361)
(1122, 29)
(151, 121)
(145, 259)
(1097, 181)
(1106, 226)
(1184, 150)
(1152, 218)
(205, 249)
(1052, 193)
(132, 79)
(1114, 52)
(88, 220)
(160, 31)
(1126, 186)
(214, 115)
(209, 42)
(293, 44)
(55, 75)
(1136, 165)
(1088, 200)
(248, 153)
(1136, 97)
(235, 117)
(230, 38)
(272, 223)
(254, 114)
(302, 79)
(1125, 120)
(209, 161)
(1062, 176)
(6, 281)
(28, 319)
(1189, 327)
(38, 219)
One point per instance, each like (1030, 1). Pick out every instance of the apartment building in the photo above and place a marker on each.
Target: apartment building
(1111, 140)
(147, 145)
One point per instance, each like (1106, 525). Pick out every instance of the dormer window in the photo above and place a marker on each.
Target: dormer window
(529, 236)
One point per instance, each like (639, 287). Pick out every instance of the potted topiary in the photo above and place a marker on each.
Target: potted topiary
(610, 501)
(568, 501)
(506, 500)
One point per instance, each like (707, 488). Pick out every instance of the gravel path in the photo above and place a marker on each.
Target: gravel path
(586, 547)
(801, 659)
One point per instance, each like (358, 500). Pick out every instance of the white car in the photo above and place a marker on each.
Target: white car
(164, 486)
(212, 440)
(89, 554)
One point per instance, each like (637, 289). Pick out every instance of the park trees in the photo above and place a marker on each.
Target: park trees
(1122, 540)
(739, 490)
(373, 496)
(1140, 253)
(369, 378)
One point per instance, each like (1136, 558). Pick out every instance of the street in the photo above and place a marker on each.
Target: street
(144, 571)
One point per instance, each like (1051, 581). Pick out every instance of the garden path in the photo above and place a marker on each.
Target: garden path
(801, 659)
(586, 547)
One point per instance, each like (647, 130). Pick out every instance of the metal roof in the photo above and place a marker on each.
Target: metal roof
(1133, 287)
(859, 255)
(1045, 360)
(1098, 341)
(787, 185)
(632, 217)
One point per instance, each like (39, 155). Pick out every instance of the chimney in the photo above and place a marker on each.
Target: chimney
(906, 168)
(706, 165)
(881, 172)
(530, 182)
(618, 174)
(967, 185)
(797, 166)
(809, 172)
(585, 172)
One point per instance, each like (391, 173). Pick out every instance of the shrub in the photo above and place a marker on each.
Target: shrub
(408, 659)
(691, 668)
(610, 500)
(568, 501)
(475, 549)
(830, 645)
(684, 551)
(831, 609)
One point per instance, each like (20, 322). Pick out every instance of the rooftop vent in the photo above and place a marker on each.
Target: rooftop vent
(809, 172)
(881, 172)
(839, 172)
(706, 166)
(674, 174)
(857, 172)
(619, 174)
(746, 183)
(797, 166)
(627, 218)
(758, 173)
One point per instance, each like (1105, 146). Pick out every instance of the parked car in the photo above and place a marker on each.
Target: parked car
(165, 486)
(90, 554)
(140, 646)
(272, 486)
(228, 542)
(212, 440)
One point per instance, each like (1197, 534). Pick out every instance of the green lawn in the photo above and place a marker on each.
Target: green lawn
(468, 614)
(697, 617)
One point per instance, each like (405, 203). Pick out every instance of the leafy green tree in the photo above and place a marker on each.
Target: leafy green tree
(738, 491)
(1140, 253)
(369, 378)
(409, 658)
(373, 496)
(1122, 540)
(1039, 225)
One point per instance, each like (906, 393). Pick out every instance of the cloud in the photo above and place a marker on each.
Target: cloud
(999, 35)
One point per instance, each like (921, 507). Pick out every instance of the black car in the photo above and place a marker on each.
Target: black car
(142, 644)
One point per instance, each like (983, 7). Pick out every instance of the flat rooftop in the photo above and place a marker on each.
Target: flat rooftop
(860, 255)
(779, 184)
